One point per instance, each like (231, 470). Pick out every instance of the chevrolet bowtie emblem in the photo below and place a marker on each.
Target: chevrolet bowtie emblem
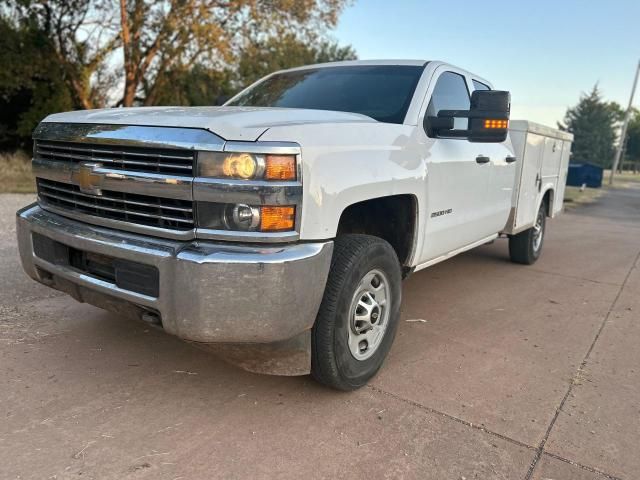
(85, 177)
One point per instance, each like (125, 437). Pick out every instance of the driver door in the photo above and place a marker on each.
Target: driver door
(458, 175)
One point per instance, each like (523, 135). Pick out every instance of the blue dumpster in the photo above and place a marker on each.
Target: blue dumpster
(585, 173)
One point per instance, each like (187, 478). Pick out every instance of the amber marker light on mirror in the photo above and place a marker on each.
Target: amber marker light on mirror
(277, 219)
(280, 167)
(493, 124)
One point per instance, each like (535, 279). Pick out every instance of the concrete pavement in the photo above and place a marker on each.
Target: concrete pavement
(515, 373)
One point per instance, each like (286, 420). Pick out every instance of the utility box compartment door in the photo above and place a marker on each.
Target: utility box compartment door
(558, 200)
(542, 154)
(551, 159)
(530, 178)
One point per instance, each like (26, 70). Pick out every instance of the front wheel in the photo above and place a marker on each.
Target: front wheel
(526, 247)
(358, 316)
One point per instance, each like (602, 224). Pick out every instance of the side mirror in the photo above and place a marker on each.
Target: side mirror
(436, 125)
(488, 118)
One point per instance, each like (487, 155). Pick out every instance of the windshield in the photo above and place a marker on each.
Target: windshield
(382, 92)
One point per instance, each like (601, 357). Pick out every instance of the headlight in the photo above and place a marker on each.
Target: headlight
(241, 217)
(242, 165)
(247, 166)
(246, 218)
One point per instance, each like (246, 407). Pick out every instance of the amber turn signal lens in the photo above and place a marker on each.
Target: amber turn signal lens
(277, 219)
(493, 124)
(280, 167)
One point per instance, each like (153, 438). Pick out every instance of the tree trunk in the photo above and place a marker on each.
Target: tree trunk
(130, 84)
(129, 90)
(79, 91)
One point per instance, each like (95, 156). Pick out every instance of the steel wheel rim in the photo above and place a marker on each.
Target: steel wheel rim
(369, 315)
(538, 231)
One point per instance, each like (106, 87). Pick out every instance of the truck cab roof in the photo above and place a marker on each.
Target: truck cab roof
(347, 63)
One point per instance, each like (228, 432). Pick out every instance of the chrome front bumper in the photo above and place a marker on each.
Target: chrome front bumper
(208, 292)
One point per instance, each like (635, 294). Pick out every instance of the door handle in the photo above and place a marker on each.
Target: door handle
(482, 159)
(510, 159)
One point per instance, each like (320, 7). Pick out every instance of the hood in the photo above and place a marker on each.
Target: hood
(230, 123)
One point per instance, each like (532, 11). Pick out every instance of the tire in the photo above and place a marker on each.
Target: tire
(363, 267)
(526, 247)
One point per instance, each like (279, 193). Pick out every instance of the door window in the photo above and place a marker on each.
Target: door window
(450, 93)
(480, 86)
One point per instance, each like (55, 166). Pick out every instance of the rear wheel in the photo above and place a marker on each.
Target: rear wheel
(358, 317)
(526, 247)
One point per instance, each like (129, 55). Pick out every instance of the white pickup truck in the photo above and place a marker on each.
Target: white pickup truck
(276, 229)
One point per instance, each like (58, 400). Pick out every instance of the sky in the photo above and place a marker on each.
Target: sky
(546, 53)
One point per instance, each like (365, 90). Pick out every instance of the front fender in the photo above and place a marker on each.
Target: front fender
(345, 164)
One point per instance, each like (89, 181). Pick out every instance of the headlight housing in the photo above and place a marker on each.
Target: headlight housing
(247, 166)
(249, 191)
(240, 217)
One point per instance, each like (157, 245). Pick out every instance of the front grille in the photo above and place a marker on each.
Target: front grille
(128, 207)
(139, 159)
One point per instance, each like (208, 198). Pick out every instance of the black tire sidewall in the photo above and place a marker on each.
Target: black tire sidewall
(349, 368)
(521, 245)
(535, 254)
(353, 373)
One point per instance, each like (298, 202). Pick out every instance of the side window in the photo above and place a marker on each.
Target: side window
(480, 86)
(450, 93)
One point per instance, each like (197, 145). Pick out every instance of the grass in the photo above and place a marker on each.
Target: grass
(621, 179)
(15, 173)
(574, 196)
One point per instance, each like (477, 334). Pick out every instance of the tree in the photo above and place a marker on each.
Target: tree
(147, 39)
(31, 83)
(82, 36)
(593, 123)
(633, 139)
(195, 86)
(160, 37)
(206, 86)
(262, 57)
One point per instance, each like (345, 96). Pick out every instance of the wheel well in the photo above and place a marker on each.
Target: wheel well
(548, 201)
(391, 218)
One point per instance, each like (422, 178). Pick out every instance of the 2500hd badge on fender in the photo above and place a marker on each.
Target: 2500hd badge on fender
(276, 230)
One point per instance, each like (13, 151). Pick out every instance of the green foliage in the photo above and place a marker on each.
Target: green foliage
(206, 86)
(593, 123)
(31, 83)
(633, 138)
(197, 86)
(163, 36)
(288, 51)
(80, 36)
